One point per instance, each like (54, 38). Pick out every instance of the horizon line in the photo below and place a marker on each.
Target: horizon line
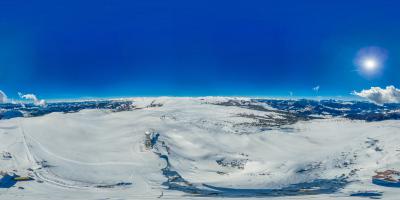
(88, 98)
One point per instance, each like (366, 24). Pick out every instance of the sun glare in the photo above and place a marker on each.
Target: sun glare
(370, 64)
(370, 61)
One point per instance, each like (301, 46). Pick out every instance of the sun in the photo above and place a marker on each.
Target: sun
(370, 61)
(370, 64)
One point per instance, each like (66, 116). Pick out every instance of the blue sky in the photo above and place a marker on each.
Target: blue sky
(72, 49)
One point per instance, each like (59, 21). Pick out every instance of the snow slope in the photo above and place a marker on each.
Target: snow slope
(200, 149)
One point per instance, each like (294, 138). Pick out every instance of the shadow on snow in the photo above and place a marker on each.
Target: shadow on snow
(7, 181)
(176, 182)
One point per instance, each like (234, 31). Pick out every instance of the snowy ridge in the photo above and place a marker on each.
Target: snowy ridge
(199, 147)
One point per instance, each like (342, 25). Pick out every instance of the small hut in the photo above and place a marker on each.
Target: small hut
(388, 178)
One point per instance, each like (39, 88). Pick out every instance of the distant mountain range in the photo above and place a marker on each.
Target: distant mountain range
(357, 110)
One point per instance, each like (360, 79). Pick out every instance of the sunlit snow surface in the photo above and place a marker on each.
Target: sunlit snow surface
(201, 148)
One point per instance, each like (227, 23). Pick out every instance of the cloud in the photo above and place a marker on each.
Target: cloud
(379, 95)
(316, 88)
(3, 97)
(36, 101)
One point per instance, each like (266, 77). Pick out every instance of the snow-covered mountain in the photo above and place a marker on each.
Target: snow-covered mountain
(212, 147)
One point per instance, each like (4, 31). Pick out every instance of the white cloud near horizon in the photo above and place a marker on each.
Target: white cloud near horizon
(316, 88)
(3, 97)
(36, 101)
(378, 95)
